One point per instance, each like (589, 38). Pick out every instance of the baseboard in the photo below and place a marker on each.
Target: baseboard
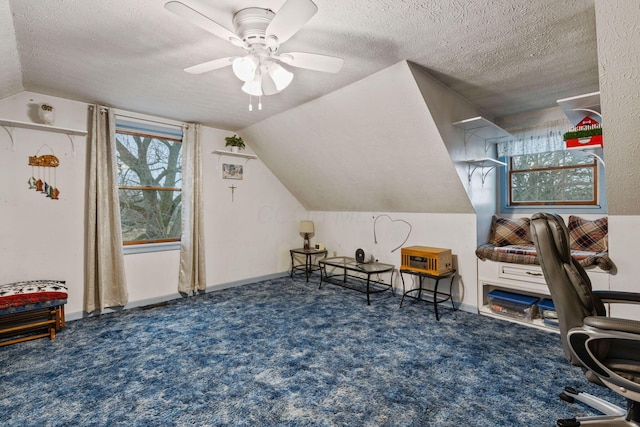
(245, 281)
(157, 300)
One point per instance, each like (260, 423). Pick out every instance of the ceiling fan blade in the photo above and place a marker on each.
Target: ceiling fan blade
(312, 61)
(290, 18)
(210, 65)
(200, 20)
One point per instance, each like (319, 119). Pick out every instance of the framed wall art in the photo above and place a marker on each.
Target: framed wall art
(230, 171)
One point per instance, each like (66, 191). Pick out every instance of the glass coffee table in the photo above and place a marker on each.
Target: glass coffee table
(310, 255)
(348, 273)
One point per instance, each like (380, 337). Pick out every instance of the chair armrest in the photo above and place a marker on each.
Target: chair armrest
(618, 297)
(613, 324)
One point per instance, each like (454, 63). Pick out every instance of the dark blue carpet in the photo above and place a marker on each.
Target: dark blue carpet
(284, 353)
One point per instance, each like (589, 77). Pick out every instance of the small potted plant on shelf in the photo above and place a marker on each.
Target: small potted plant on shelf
(235, 142)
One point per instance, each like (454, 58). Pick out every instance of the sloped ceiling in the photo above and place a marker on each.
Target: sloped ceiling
(504, 56)
(369, 138)
(10, 71)
(372, 146)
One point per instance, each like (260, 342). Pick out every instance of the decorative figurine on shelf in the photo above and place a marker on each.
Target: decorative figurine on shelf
(586, 134)
(46, 114)
(235, 142)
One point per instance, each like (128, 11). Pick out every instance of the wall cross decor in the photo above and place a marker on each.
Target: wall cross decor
(233, 188)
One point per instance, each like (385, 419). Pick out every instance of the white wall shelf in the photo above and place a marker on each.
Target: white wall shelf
(9, 125)
(222, 153)
(576, 107)
(490, 133)
(483, 129)
(485, 163)
(232, 154)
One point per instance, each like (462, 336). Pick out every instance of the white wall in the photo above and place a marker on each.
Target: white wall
(344, 232)
(368, 146)
(44, 239)
(618, 42)
(447, 107)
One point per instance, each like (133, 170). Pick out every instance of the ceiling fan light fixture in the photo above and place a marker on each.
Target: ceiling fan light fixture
(260, 33)
(245, 68)
(253, 87)
(280, 76)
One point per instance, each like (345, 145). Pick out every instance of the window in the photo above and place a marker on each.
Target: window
(553, 178)
(149, 185)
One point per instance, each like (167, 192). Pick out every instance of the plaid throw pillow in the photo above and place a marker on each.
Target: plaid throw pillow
(587, 235)
(505, 231)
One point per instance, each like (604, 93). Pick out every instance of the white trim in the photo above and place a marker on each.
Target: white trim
(150, 247)
(146, 118)
(156, 300)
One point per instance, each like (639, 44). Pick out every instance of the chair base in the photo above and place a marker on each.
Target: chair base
(603, 421)
(614, 415)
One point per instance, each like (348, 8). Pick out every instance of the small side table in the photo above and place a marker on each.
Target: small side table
(434, 296)
(310, 255)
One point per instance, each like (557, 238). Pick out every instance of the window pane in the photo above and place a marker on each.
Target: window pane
(149, 181)
(552, 178)
(573, 158)
(148, 161)
(150, 214)
(522, 162)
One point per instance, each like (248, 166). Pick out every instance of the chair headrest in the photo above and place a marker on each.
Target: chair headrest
(559, 233)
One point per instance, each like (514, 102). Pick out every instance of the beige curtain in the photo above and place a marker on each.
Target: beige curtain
(192, 263)
(105, 284)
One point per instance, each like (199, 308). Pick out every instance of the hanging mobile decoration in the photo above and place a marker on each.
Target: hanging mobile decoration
(44, 184)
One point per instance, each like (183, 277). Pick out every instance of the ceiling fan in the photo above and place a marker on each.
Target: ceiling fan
(260, 32)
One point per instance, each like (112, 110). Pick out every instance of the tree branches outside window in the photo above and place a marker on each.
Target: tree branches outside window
(150, 185)
(553, 178)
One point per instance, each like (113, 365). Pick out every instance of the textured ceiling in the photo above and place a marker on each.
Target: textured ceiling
(505, 56)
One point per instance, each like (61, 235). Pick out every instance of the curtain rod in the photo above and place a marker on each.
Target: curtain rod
(145, 117)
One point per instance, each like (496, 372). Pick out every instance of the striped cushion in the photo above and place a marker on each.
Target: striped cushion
(522, 255)
(585, 235)
(505, 231)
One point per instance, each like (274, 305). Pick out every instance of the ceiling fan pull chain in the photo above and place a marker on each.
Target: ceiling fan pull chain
(250, 104)
(260, 102)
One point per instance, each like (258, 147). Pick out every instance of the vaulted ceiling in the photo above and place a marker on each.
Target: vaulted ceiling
(503, 56)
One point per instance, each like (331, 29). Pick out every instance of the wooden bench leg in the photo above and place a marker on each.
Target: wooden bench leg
(63, 322)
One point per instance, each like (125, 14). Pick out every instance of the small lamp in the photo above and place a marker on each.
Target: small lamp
(306, 231)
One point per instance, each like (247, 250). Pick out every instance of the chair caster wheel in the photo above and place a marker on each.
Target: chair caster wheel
(564, 396)
(568, 422)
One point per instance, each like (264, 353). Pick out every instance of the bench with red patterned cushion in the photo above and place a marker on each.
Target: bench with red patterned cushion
(31, 293)
(31, 309)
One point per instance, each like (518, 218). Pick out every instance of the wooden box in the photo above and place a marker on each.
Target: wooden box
(425, 259)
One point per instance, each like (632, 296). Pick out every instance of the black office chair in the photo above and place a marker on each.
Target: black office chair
(607, 349)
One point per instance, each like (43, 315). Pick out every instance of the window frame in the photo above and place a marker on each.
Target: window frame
(503, 188)
(153, 245)
(593, 166)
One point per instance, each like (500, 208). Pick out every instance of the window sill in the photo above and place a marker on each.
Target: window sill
(151, 247)
(595, 209)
